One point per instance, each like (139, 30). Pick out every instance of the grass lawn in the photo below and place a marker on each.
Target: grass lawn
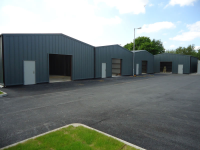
(72, 138)
(1, 92)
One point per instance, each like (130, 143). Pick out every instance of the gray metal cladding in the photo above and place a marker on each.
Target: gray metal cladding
(176, 59)
(193, 66)
(1, 62)
(37, 47)
(104, 54)
(143, 55)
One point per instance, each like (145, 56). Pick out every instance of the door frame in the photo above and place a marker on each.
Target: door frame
(166, 62)
(146, 65)
(24, 72)
(71, 57)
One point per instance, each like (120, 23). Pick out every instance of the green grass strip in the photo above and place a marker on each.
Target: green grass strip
(73, 138)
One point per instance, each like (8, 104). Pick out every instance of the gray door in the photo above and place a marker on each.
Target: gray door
(29, 72)
(180, 69)
(103, 70)
(137, 69)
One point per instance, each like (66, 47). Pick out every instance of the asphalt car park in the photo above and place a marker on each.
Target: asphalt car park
(159, 111)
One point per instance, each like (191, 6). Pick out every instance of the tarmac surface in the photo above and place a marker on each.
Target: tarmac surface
(159, 112)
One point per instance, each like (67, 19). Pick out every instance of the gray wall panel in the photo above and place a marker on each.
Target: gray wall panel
(194, 62)
(140, 56)
(104, 54)
(175, 59)
(20, 47)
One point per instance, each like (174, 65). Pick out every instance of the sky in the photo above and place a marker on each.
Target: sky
(105, 22)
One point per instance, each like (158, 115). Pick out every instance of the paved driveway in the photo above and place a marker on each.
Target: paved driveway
(153, 111)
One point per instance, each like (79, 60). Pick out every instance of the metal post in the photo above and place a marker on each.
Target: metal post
(133, 50)
(134, 40)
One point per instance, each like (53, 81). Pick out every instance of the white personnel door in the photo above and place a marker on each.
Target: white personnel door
(29, 72)
(103, 70)
(137, 69)
(180, 69)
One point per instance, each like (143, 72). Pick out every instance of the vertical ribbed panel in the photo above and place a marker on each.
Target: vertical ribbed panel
(194, 62)
(104, 54)
(175, 59)
(37, 47)
(143, 56)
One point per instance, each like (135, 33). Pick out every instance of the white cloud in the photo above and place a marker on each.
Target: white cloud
(197, 47)
(150, 5)
(165, 33)
(62, 17)
(148, 28)
(194, 27)
(194, 32)
(126, 6)
(181, 2)
(181, 31)
(172, 46)
(165, 42)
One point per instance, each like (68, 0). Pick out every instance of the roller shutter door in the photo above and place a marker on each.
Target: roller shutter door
(116, 66)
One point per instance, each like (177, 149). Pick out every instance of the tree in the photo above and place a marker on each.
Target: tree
(145, 43)
(190, 50)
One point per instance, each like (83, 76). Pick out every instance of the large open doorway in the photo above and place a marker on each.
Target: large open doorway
(165, 66)
(144, 67)
(60, 68)
(116, 67)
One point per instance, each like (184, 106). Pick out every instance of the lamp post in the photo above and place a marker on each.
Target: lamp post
(134, 37)
(133, 50)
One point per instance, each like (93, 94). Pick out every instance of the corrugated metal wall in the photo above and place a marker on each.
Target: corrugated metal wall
(140, 56)
(104, 54)
(194, 62)
(1, 62)
(20, 47)
(175, 59)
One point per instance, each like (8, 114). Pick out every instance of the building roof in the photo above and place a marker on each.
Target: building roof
(139, 51)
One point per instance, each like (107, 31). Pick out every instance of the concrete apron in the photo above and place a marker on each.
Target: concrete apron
(76, 125)
(54, 78)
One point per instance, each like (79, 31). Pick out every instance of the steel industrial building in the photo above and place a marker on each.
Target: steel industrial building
(143, 62)
(112, 60)
(175, 63)
(39, 58)
(33, 58)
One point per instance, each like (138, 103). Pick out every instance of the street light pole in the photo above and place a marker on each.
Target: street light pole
(134, 37)
(134, 40)
(134, 49)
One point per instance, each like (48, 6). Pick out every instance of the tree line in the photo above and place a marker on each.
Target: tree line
(156, 47)
(190, 50)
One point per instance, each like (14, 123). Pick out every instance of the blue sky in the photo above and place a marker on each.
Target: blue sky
(105, 22)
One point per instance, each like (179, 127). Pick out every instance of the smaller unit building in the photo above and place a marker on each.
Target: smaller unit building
(143, 62)
(112, 60)
(175, 63)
